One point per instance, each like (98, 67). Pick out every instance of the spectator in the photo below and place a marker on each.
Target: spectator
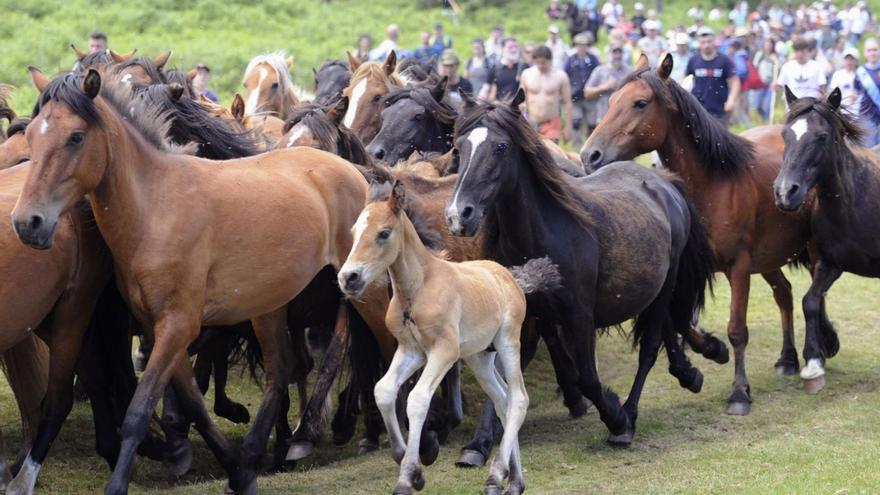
(836, 54)
(716, 13)
(504, 76)
(681, 56)
(427, 50)
(449, 64)
(845, 79)
(388, 44)
(97, 42)
(652, 45)
(766, 63)
(602, 83)
(477, 69)
(548, 97)
(859, 18)
(617, 38)
(495, 44)
(696, 12)
(557, 47)
(365, 43)
(579, 68)
(803, 76)
(528, 49)
(868, 85)
(554, 12)
(638, 18)
(440, 41)
(611, 12)
(200, 83)
(716, 85)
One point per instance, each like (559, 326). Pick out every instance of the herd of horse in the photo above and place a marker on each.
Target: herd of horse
(388, 223)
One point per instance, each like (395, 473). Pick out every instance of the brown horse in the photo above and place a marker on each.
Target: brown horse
(730, 179)
(268, 86)
(210, 260)
(369, 82)
(14, 149)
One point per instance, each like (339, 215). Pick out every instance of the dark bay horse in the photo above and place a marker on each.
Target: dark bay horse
(330, 79)
(729, 178)
(627, 242)
(209, 261)
(827, 172)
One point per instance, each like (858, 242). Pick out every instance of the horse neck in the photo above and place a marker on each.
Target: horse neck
(439, 138)
(412, 266)
(679, 154)
(838, 178)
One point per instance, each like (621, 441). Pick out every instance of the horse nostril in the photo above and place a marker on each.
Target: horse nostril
(467, 212)
(379, 154)
(793, 189)
(35, 222)
(595, 158)
(352, 277)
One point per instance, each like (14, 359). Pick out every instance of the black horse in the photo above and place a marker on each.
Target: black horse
(330, 79)
(823, 152)
(627, 241)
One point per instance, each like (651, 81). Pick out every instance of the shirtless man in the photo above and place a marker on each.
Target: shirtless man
(547, 92)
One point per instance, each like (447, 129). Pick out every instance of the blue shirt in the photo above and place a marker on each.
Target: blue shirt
(710, 81)
(579, 70)
(869, 108)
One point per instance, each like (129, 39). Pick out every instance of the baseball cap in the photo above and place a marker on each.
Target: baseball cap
(638, 6)
(651, 24)
(851, 52)
(553, 29)
(705, 31)
(585, 38)
(682, 39)
(449, 57)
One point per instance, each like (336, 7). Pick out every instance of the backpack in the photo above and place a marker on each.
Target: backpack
(753, 79)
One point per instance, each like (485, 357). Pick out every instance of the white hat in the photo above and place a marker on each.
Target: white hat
(638, 6)
(553, 29)
(851, 52)
(650, 25)
(682, 39)
(705, 31)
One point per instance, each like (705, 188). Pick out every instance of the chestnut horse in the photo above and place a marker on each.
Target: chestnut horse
(14, 149)
(222, 252)
(370, 81)
(730, 179)
(268, 86)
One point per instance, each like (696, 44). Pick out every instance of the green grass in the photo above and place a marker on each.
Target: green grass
(791, 443)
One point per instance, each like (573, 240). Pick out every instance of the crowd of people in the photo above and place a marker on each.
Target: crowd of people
(735, 70)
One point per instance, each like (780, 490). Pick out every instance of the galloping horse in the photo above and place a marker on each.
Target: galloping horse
(442, 312)
(268, 86)
(211, 260)
(823, 152)
(369, 82)
(729, 179)
(628, 244)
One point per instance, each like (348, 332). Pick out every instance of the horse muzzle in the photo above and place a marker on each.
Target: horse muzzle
(789, 197)
(463, 222)
(352, 282)
(34, 229)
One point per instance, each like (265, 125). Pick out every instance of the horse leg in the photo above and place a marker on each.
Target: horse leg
(788, 359)
(5, 475)
(223, 405)
(311, 424)
(274, 339)
(302, 364)
(740, 401)
(706, 344)
(564, 368)
(178, 449)
(440, 358)
(508, 460)
(680, 366)
(204, 365)
(813, 372)
(452, 394)
(404, 363)
(27, 372)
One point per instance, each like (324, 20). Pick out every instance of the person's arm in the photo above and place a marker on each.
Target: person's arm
(733, 85)
(567, 110)
(823, 81)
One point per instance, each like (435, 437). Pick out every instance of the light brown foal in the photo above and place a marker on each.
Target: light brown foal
(441, 312)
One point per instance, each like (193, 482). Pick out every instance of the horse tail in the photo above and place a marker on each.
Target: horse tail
(26, 366)
(245, 347)
(696, 271)
(802, 260)
(537, 275)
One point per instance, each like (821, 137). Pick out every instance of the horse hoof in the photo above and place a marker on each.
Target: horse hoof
(814, 385)
(786, 368)
(515, 488)
(365, 446)
(234, 412)
(739, 408)
(179, 459)
(470, 459)
(250, 489)
(697, 383)
(402, 490)
(418, 480)
(492, 490)
(717, 352)
(5, 478)
(429, 449)
(300, 450)
(622, 440)
(579, 409)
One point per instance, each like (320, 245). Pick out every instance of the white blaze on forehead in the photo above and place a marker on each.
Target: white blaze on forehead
(254, 97)
(296, 133)
(799, 128)
(475, 138)
(44, 126)
(126, 79)
(359, 228)
(356, 95)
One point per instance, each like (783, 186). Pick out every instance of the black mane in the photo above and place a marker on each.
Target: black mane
(721, 152)
(844, 126)
(17, 126)
(153, 72)
(442, 111)
(94, 61)
(333, 63)
(67, 89)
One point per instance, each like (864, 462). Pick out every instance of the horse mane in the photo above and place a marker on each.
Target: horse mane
(177, 76)
(154, 72)
(721, 152)
(441, 110)
(843, 125)
(548, 176)
(6, 111)
(333, 63)
(192, 122)
(94, 61)
(17, 126)
(331, 136)
(421, 221)
(375, 70)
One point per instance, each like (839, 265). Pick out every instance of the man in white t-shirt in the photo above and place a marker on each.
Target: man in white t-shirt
(652, 45)
(844, 79)
(803, 76)
(611, 12)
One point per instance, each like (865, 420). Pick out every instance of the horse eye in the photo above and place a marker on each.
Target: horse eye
(76, 138)
(384, 235)
(822, 137)
(418, 117)
(275, 85)
(377, 98)
(500, 148)
(640, 104)
(23, 159)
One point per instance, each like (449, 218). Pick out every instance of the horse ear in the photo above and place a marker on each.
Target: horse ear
(518, 99)
(469, 101)
(790, 98)
(237, 107)
(289, 61)
(175, 90)
(337, 112)
(642, 62)
(38, 78)
(314, 72)
(390, 62)
(162, 59)
(91, 85)
(120, 58)
(353, 63)
(398, 196)
(834, 98)
(438, 91)
(191, 74)
(665, 67)
(79, 53)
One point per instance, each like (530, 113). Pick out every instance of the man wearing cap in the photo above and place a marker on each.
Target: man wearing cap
(804, 76)
(638, 18)
(449, 63)
(557, 47)
(680, 56)
(652, 45)
(579, 68)
(716, 85)
(603, 81)
(200, 83)
(548, 94)
(845, 79)
(867, 83)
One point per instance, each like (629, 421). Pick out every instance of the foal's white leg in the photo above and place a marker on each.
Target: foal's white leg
(404, 363)
(483, 366)
(440, 360)
(517, 405)
(26, 479)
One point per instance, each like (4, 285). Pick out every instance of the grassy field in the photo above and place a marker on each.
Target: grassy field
(791, 443)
